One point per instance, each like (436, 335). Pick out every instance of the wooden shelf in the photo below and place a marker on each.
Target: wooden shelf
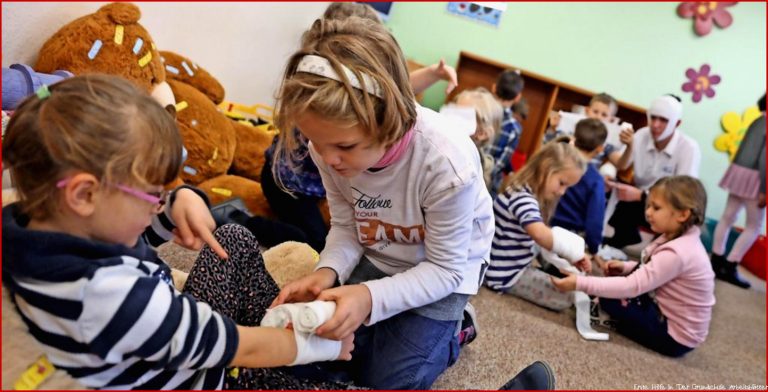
(543, 94)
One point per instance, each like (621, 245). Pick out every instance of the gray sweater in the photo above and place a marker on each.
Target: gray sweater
(751, 153)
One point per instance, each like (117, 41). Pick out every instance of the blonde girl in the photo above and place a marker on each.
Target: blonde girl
(488, 113)
(89, 157)
(665, 301)
(411, 221)
(522, 212)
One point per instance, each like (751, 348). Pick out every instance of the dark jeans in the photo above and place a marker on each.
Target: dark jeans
(407, 351)
(625, 220)
(642, 321)
(301, 211)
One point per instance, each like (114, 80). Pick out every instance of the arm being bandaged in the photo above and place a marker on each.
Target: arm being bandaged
(567, 245)
(305, 318)
(281, 316)
(312, 348)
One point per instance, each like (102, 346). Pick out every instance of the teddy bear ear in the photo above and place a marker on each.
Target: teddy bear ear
(121, 13)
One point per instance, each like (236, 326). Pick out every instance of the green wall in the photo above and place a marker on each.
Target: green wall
(634, 51)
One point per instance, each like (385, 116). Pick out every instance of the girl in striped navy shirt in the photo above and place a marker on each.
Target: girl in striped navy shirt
(89, 157)
(521, 214)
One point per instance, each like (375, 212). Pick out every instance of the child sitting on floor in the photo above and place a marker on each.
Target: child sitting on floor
(671, 290)
(522, 213)
(89, 156)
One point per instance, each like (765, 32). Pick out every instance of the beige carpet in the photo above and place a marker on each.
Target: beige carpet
(515, 333)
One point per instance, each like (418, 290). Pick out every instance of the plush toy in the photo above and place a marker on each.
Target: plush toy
(112, 41)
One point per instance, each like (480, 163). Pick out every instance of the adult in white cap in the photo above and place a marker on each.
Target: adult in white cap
(658, 150)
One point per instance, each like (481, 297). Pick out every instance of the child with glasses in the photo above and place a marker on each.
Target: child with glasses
(90, 156)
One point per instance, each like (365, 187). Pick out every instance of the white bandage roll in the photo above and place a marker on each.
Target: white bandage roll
(559, 262)
(583, 325)
(608, 170)
(312, 348)
(314, 314)
(567, 245)
(280, 316)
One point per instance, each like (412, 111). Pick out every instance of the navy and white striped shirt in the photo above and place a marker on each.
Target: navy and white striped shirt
(513, 248)
(109, 315)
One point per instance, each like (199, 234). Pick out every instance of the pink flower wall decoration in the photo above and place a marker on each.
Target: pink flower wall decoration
(706, 12)
(700, 83)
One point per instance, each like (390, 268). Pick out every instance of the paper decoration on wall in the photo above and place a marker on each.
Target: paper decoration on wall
(735, 127)
(484, 11)
(700, 83)
(706, 12)
(383, 8)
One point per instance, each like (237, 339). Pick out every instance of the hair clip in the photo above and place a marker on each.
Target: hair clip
(43, 92)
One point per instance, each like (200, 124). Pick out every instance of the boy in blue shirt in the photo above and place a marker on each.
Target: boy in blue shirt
(508, 90)
(582, 208)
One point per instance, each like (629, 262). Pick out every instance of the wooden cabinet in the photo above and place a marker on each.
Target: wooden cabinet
(542, 93)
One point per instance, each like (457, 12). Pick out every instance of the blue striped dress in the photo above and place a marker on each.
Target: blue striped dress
(512, 249)
(109, 315)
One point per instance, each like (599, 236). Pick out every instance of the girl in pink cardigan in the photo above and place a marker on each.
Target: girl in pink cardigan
(665, 301)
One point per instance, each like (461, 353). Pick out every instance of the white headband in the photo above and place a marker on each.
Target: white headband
(669, 108)
(321, 66)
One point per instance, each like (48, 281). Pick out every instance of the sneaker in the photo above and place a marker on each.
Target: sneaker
(229, 211)
(537, 376)
(608, 252)
(598, 318)
(469, 326)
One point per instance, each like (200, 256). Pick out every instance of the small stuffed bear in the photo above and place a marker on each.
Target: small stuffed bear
(224, 157)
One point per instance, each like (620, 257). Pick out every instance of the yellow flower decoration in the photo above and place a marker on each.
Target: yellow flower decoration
(735, 127)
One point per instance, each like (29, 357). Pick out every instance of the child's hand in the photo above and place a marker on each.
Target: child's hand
(347, 345)
(629, 192)
(447, 73)
(584, 264)
(567, 283)
(627, 135)
(307, 288)
(353, 305)
(613, 268)
(194, 223)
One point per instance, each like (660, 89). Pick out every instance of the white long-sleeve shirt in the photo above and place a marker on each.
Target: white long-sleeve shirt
(426, 220)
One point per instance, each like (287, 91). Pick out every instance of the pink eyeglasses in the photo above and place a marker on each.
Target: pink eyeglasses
(155, 198)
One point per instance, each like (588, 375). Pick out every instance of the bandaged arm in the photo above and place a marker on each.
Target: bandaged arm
(272, 347)
(558, 240)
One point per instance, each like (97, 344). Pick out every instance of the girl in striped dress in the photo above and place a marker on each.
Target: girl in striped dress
(522, 212)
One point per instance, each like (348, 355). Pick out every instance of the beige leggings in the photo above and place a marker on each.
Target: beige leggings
(535, 286)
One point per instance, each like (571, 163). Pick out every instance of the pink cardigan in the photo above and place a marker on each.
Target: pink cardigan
(681, 275)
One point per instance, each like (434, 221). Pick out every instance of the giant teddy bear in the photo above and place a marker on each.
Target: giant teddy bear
(224, 157)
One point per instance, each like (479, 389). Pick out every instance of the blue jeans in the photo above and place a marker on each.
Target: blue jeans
(642, 321)
(407, 351)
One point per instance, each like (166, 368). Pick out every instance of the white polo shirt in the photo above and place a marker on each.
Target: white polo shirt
(681, 156)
